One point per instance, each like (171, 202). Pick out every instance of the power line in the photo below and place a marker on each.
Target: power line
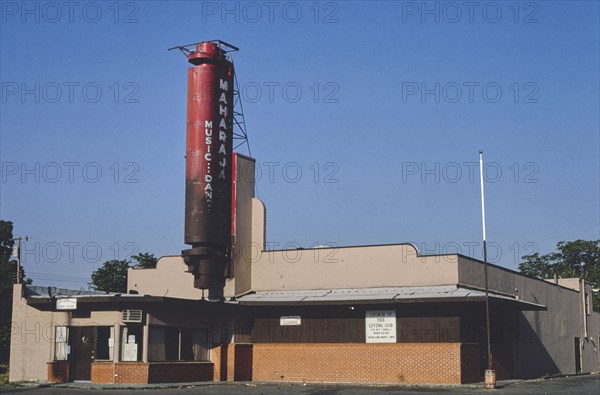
(58, 280)
(54, 278)
(58, 276)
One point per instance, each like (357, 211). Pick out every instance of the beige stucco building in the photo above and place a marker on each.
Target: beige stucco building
(381, 313)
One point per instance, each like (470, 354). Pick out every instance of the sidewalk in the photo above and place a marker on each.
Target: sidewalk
(89, 386)
(156, 386)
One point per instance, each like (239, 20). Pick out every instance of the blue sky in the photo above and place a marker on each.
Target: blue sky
(382, 107)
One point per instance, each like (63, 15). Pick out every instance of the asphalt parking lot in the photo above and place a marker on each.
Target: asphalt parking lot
(581, 385)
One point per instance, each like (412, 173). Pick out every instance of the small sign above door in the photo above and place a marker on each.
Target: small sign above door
(288, 320)
(66, 304)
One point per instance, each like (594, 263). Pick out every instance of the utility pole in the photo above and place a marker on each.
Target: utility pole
(18, 240)
(490, 374)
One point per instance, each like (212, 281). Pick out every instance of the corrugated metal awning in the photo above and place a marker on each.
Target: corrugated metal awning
(440, 293)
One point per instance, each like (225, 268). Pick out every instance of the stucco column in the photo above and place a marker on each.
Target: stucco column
(52, 337)
(117, 344)
(145, 341)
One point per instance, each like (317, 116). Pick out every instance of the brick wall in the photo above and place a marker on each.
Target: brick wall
(119, 373)
(219, 362)
(232, 362)
(131, 373)
(58, 372)
(102, 373)
(229, 354)
(144, 373)
(183, 372)
(412, 363)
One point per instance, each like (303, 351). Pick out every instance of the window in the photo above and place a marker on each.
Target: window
(131, 343)
(105, 343)
(178, 344)
(171, 344)
(61, 343)
(187, 345)
(201, 344)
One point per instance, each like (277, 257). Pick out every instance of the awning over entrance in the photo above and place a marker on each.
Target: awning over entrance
(45, 298)
(440, 293)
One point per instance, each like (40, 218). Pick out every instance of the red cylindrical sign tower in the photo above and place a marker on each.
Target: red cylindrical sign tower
(208, 184)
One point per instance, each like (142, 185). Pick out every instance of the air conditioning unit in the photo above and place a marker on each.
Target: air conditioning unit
(132, 315)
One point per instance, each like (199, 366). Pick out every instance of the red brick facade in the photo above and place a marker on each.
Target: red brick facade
(102, 372)
(131, 373)
(230, 361)
(233, 362)
(410, 363)
(58, 372)
(219, 357)
(180, 372)
(119, 373)
(145, 373)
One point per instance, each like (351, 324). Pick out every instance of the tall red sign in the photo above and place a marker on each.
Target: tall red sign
(209, 149)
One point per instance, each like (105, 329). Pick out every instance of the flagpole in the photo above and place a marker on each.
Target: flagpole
(490, 375)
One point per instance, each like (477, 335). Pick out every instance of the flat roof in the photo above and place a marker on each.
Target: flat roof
(39, 291)
(44, 296)
(439, 293)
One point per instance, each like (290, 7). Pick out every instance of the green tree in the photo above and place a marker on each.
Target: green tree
(6, 238)
(111, 277)
(145, 260)
(579, 258)
(6, 282)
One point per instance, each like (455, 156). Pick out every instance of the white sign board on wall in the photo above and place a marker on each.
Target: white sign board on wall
(380, 326)
(61, 334)
(66, 304)
(130, 352)
(286, 320)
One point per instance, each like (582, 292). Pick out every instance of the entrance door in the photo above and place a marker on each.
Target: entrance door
(83, 340)
(577, 356)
